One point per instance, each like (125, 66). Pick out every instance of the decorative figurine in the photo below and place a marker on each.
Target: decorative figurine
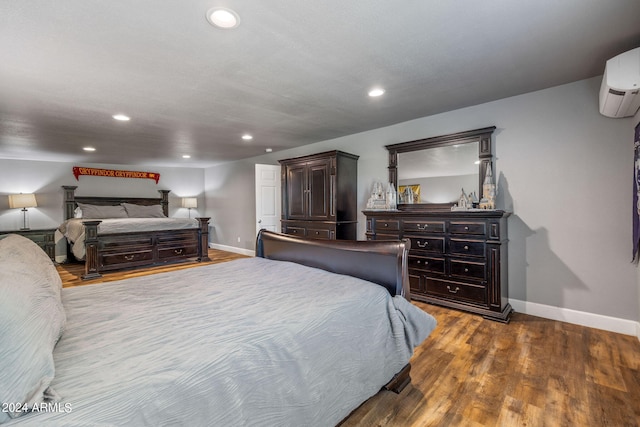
(408, 195)
(392, 198)
(474, 199)
(464, 202)
(381, 200)
(488, 190)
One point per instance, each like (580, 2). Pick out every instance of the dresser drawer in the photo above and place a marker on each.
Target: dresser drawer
(178, 252)
(38, 238)
(435, 265)
(423, 226)
(427, 244)
(123, 259)
(467, 270)
(472, 228)
(318, 233)
(180, 238)
(118, 241)
(383, 225)
(466, 247)
(295, 231)
(456, 290)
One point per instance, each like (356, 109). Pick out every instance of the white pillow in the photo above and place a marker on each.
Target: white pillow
(142, 211)
(102, 212)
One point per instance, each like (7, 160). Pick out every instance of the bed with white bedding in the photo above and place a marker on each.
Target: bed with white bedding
(259, 341)
(113, 233)
(74, 230)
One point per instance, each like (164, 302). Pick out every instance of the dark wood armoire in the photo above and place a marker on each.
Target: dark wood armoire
(319, 195)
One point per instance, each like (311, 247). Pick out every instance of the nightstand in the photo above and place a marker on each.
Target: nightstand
(44, 238)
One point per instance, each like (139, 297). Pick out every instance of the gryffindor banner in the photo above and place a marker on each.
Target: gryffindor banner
(112, 173)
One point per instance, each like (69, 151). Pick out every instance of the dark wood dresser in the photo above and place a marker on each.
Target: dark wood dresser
(457, 259)
(319, 195)
(43, 237)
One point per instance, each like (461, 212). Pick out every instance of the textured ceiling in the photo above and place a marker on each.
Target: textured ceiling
(292, 73)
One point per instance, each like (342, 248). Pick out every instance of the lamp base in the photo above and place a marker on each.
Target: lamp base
(25, 220)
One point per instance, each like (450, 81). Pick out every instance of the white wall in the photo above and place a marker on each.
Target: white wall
(564, 171)
(46, 178)
(231, 204)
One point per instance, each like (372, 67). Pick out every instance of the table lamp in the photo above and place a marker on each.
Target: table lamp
(23, 201)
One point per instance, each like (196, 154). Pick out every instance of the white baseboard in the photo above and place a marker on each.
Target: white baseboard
(598, 321)
(233, 249)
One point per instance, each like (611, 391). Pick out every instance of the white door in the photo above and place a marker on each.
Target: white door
(268, 196)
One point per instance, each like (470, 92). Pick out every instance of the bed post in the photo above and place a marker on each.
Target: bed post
(164, 201)
(91, 250)
(203, 239)
(69, 201)
(399, 380)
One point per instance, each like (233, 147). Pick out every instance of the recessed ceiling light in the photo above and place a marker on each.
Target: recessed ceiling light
(376, 92)
(268, 150)
(186, 156)
(223, 18)
(121, 117)
(88, 149)
(247, 137)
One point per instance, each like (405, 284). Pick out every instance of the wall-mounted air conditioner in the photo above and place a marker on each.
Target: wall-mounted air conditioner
(619, 92)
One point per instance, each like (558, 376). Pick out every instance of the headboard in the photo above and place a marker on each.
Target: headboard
(381, 262)
(71, 201)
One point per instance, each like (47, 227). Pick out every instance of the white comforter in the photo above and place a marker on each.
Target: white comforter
(73, 229)
(249, 342)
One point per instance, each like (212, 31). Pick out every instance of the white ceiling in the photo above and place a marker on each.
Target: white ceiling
(293, 72)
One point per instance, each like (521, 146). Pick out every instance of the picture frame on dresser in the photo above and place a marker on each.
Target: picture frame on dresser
(458, 258)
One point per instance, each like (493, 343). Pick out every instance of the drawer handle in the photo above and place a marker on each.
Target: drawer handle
(454, 291)
(466, 228)
(317, 232)
(178, 251)
(466, 248)
(423, 227)
(466, 270)
(424, 245)
(386, 225)
(129, 257)
(418, 262)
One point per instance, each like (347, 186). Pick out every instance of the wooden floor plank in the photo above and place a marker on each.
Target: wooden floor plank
(476, 372)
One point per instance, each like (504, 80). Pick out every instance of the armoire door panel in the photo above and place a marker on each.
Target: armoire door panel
(297, 192)
(319, 192)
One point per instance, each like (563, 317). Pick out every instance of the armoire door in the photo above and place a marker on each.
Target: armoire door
(297, 193)
(319, 185)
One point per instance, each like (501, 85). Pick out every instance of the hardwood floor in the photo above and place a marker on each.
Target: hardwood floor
(476, 372)
(530, 372)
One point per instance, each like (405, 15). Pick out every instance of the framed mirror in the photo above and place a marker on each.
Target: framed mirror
(430, 173)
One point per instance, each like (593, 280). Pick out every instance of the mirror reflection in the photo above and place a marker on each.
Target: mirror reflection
(436, 175)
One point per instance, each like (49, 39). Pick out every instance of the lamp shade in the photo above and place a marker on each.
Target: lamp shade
(189, 202)
(22, 201)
